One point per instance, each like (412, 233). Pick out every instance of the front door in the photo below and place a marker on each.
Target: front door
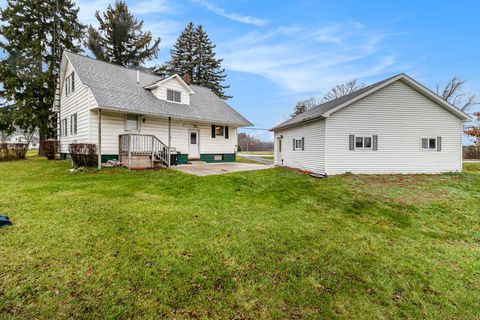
(193, 149)
(279, 150)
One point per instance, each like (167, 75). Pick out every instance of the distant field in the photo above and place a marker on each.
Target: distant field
(119, 244)
(257, 152)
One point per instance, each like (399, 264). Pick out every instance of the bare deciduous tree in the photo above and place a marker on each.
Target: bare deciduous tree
(304, 105)
(453, 92)
(343, 89)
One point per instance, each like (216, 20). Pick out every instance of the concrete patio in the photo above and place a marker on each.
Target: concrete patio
(207, 169)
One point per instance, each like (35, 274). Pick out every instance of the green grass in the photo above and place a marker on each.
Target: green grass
(265, 244)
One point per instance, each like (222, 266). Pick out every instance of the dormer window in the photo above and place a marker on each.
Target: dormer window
(174, 96)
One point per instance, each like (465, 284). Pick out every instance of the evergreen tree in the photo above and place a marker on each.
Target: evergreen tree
(34, 34)
(182, 61)
(120, 38)
(193, 54)
(209, 72)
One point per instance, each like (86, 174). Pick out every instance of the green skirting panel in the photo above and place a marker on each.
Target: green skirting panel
(210, 157)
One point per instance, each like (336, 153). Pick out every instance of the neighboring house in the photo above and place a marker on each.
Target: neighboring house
(19, 137)
(393, 126)
(138, 117)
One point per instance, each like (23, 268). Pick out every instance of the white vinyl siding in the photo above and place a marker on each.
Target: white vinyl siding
(113, 125)
(78, 102)
(312, 157)
(400, 117)
(174, 85)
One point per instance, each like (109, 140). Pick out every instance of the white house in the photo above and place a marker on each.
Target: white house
(19, 137)
(139, 117)
(393, 126)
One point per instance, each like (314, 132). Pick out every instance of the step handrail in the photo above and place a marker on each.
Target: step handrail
(144, 144)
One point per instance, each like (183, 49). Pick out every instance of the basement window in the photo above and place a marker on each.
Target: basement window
(174, 96)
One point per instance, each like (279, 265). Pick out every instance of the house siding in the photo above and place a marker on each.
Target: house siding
(113, 125)
(312, 158)
(79, 102)
(399, 116)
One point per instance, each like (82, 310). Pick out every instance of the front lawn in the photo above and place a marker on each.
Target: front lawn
(265, 244)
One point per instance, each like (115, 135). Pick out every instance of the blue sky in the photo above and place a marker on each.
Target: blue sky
(277, 52)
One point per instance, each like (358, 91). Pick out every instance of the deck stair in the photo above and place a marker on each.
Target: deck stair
(142, 151)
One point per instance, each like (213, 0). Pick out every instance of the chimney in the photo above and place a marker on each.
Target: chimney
(138, 76)
(187, 79)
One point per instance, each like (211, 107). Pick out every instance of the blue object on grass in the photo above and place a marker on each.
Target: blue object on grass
(4, 221)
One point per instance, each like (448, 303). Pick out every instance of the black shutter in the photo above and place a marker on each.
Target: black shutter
(73, 81)
(226, 132)
(351, 142)
(303, 144)
(439, 143)
(213, 131)
(375, 143)
(293, 144)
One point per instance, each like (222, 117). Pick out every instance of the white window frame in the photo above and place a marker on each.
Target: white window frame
(428, 144)
(73, 124)
(299, 144)
(68, 84)
(363, 142)
(65, 127)
(216, 132)
(173, 95)
(127, 129)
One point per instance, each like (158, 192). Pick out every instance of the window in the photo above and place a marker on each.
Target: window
(173, 95)
(131, 122)
(70, 84)
(299, 144)
(219, 131)
(65, 127)
(193, 137)
(363, 142)
(429, 143)
(73, 124)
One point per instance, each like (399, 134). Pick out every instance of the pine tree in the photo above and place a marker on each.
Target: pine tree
(182, 61)
(120, 38)
(193, 54)
(209, 72)
(34, 33)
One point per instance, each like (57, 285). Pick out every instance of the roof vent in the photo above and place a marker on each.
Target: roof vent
(187, 79)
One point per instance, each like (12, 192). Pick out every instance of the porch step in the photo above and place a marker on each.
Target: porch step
(196, 162)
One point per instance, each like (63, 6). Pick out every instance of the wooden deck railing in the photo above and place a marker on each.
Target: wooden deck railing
(132, 144)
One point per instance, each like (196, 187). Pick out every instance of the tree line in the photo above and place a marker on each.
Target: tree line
(35, 33)
(248, 142)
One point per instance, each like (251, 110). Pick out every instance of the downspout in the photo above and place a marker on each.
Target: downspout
(169, 139)
(99, 138)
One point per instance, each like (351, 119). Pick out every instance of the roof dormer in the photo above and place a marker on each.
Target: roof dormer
(172, 89)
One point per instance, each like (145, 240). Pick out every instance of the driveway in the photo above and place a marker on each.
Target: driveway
(207, 169)
(256, 158)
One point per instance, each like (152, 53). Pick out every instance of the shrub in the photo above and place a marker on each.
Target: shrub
(83, 154)
(50, 148)
(471, 152)
(13, 151)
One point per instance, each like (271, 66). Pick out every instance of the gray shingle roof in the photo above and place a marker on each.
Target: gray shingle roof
(116, 87)
(317, 111)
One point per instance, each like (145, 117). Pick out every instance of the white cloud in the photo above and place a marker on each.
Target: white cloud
(231, 15)
(310, 60)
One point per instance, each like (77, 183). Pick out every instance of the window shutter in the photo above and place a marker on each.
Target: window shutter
(439, 143)
(375, 143)
(303, 144)
(351, 140)
(73, 81)
(226, 132)
(213, 131)
(293, 144)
